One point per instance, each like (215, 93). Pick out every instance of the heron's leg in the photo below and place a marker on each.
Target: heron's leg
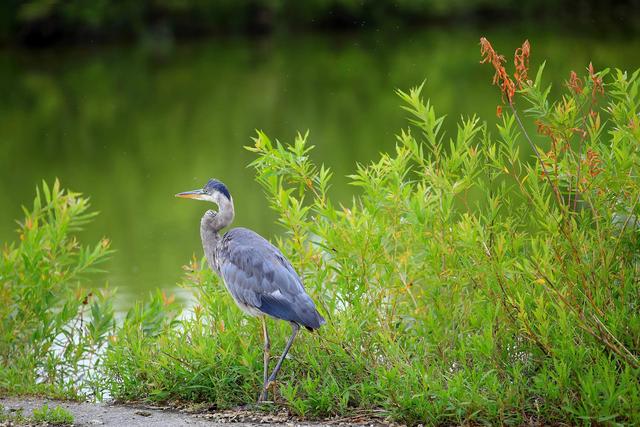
(267, 348)
(295, 328)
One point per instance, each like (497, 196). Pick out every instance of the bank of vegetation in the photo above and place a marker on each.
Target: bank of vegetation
(488, 276)
(42, 22)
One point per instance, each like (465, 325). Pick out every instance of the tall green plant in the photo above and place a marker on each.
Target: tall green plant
(585, 192)
(446, 228)
(51, 328)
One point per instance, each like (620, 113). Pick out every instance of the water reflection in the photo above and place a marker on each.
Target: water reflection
(131, 128)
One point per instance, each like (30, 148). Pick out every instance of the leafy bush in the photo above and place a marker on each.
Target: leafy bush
(51, 329)
(471, 280)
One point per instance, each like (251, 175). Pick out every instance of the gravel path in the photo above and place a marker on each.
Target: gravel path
(104, 414)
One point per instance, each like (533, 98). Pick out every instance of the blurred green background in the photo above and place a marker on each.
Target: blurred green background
(134, 101)
(43, 21)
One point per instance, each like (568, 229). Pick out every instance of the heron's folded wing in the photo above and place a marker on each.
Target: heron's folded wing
(241, 285)
(258, 278)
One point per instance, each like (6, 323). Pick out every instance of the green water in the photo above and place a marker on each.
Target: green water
(132, 125)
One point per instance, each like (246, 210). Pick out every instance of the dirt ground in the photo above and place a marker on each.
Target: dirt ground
(105, 414)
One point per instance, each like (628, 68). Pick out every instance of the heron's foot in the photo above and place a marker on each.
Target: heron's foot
(264, 396)
(246, 407)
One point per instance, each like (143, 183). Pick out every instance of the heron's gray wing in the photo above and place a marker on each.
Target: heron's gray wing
(258, 275)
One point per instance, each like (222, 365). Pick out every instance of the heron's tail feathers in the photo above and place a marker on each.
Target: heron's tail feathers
(319, 321)
(322, 320)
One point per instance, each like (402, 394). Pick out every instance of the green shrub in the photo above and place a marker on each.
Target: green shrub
(52, 416)
(477, 278)
(51, 329)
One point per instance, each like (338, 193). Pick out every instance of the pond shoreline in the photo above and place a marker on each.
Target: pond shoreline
(114, 414)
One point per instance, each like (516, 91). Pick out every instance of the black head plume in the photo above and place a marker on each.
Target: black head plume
(215, 185)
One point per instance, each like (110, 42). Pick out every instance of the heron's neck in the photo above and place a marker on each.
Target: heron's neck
(210, 225)
(212, 222)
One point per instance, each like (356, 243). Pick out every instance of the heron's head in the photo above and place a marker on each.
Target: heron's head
(214, 191)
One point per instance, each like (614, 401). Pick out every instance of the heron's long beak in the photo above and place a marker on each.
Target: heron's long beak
(194, 194)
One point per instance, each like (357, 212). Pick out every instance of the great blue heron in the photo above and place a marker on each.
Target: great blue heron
(260, 279)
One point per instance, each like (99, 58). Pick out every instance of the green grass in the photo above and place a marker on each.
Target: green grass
(52, 416)
(484, 277)
(11, 417)
(56, 415)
